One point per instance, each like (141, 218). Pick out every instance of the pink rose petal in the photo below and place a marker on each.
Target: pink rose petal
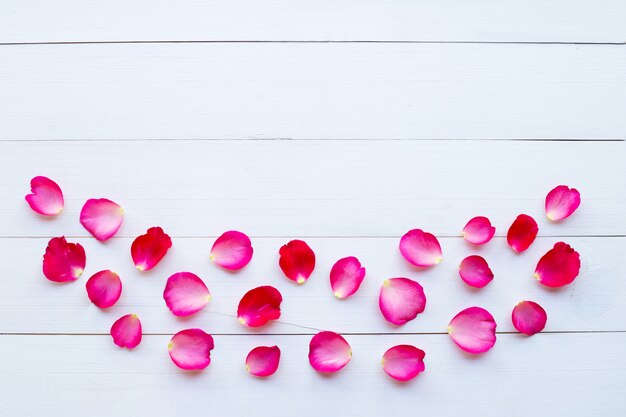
(63, 261)
(478, 231)
(522, 233)
(329, 352)
(126, 331)
(46, 197)
(401, 300)
(559, 266)
(104, 288)
(420, 248)
(346, 276)
(101, 217)
(475, 271)
(529, 317)
(403, 362)
(297, 261)
(148, 250)
(263, 360)
(190, 349)
(259, 305)
(232, 250)
(473, 330)
(185, 294)
(561, 202)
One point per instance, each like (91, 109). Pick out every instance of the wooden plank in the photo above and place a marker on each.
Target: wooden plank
(303, 91)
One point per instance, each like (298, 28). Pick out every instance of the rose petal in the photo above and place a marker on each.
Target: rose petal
(478, 231)
(346, 276)
(263, 360)
(420, 248)
(473, 330)
(475, 271)
(126, 331)
(522, 233)
(561, 202)
(148, 250)
(185, 294)
(403, 362)
(190, 349)
(401, 300)
(63, 261)
(529, 317)
(297, 261)
(46, 197)
(232, 250)
(101, 217)
(329, 352)
(559, 266)
(259, 305)
(104, 288)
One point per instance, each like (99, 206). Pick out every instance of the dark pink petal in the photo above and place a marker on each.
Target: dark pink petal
(561, 202)
(63, 261)
(329, 352)
(232, 250)
(478, 231)
(101, 217)
(346, 276)
(401, 300)
(104, 288)
(46, 197)
(185, 294)
(259, 305)
(559, 266)
(297, 261)
(529, 317)
(126, 331)
(420, 248)
(190, 349)
(148, 250)
(473, 330)
(475, 271)
(263, 360)
(522, 233)
(403, 362)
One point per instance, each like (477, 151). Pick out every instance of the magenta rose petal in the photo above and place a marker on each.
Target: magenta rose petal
(104, 288)
(263, 361)
(126, 331)
(346, 277)
(473, 330)
(401, 300)
(101, 217)
(63, 261)
(475, 271)
(190, 349)
(329, 352)
(478, 231)
(232, 250)
(529, 317)
(403, 362)
(185, 294)
(46, 197)
(562, 202)
(420, 248)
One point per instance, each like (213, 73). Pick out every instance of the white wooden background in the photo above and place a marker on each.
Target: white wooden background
(346, 123)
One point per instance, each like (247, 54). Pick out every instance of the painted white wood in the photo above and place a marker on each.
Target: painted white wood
(321, 91)
(308, 20)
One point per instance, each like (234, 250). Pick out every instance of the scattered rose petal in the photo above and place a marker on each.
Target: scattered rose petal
(329, 352)
(401, 300)
(46, 197)
(63, 261)
(263, 360)
(475, 271)
(478, 231)
(529, 317)
(126, 331)
(232, 250)
(561, 202)
(297, 261)
(185, 294)
(190, 349)
(522, 233)
(420, 248)
(104, 288)
(259, 305)
(559, 266)
(403, 362)
(346, 276)
(148, 250)
(473, 330)
(101, 217)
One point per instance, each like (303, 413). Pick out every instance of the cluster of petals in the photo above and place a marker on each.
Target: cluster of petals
(263, 361)
(101, 217)
(190, 349)
(403, 362)
(522, 233)
(559, 266)
(126, 331)
(420, 248)
(46, 197)
(63, 261)
(148, 250)
(478, 231)
(259, 306)
(185, 294)
(561, 202)
(104, 288)
(475, 272)
(473, 330)
(346, 277)
(297, 261)
(529, 317)
(401, 300)
(232, 250)
(329, 352)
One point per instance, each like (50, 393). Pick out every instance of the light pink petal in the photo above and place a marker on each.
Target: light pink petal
(46, 197)
(346, 276)
(478, 231)
(475, 271)
(190, 349)
(529, 317)
(561, 202)
(63, 261)
(104, 288)
(232, 250)
(263, 360)
(259, 305)
(148, 250)
(126, 331)
(522, 233)
(404, 362)
(401, 300)
(473, 330)
(329, 352)
(297, 261)
(101, 217)
(559, 266)
(185, 294)
(420, 248)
